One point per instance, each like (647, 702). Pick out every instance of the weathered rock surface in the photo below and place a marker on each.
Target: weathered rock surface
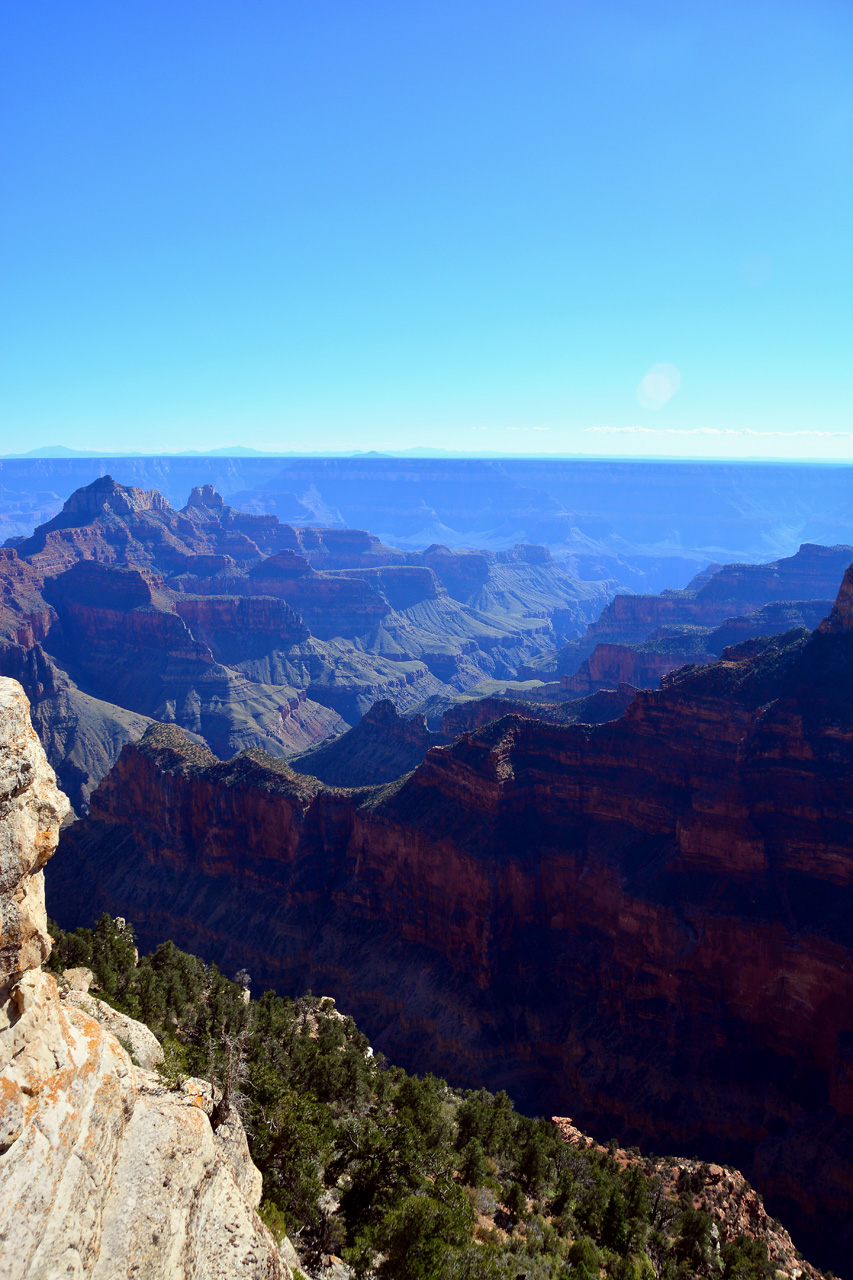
(729, 602)
(31, 809)
(140, 1041)
(643, 922)
(103, 1172)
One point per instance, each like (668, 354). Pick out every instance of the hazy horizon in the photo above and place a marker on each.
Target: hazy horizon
(415, 453)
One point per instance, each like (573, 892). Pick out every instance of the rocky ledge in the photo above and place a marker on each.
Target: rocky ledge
(102, 1167)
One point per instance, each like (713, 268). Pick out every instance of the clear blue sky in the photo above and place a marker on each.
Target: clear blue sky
(470, 224)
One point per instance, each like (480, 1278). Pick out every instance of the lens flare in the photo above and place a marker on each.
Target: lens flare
(658, 386)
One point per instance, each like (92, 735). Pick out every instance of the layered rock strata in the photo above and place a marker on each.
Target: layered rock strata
(249, 632)
(381, 748)
(646, 919)
(670, 647)
(103, 1171)
(729, 602)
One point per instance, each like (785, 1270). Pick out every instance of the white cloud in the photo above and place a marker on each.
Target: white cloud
(719, 431)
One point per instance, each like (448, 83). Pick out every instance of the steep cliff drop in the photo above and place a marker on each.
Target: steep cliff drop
(102, 1169)
(643, 923)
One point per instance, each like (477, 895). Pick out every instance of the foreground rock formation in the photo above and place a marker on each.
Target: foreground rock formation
(644, 922)
(103, 1171)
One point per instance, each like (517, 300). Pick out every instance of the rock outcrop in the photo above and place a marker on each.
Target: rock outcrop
(671, 647)
(840, 620)
(723, 1193)
(610, 665)
(720, 606)
(384, 745)
(646, 919)
(103, 1171)
(607, 704)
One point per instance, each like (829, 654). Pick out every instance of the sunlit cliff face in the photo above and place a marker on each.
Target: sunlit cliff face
(31, 810)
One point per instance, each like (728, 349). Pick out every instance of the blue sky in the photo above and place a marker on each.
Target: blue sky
(550, 227)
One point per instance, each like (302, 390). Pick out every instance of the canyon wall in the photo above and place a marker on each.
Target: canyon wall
(735, 589)
(721, 605)
(643, 924)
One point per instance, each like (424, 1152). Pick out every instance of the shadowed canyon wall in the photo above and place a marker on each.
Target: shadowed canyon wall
(644, 924)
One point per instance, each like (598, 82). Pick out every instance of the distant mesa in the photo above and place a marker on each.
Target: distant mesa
(204, 496)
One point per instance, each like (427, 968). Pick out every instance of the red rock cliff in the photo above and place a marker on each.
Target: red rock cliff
(643, 923)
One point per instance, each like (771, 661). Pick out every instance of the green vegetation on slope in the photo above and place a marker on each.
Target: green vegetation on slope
(406, 1178)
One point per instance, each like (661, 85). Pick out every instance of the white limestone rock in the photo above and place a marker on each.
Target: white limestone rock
(103, 1172)
(144, 1047)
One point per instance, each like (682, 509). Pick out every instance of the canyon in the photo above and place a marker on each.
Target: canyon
(113, 1162)
(642, 923)
(122, 611)
(647, 524)
(639, 638)
(333, 761)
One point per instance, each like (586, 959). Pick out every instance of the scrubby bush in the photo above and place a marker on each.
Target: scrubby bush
(389, 1169)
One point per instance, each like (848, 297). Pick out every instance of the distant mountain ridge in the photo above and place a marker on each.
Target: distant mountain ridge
(248, 631)
(650, 525)
(121, 610)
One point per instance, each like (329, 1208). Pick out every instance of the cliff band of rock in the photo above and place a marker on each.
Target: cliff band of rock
(644, 922)
(640, 638)
(103, 1172)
